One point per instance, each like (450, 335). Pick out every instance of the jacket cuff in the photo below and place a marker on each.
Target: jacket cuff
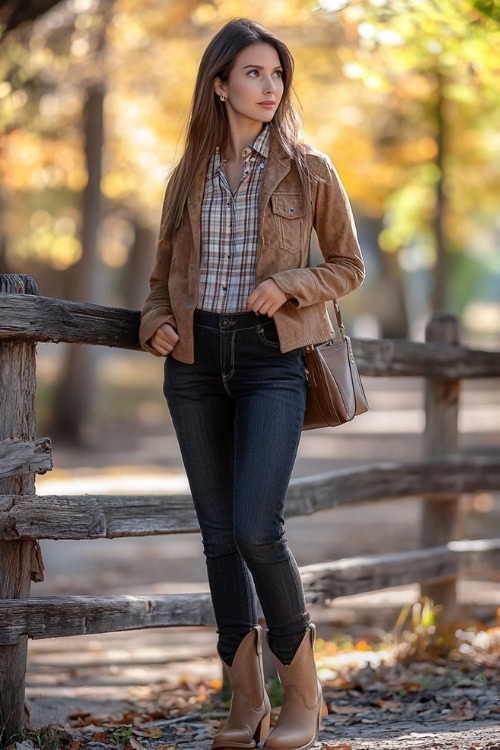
(149, 324)
(297, 284)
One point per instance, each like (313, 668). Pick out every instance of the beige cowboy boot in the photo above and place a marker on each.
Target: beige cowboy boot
(250, 711)
(299, 720)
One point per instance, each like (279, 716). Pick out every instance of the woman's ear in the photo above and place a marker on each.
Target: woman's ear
(217, 86)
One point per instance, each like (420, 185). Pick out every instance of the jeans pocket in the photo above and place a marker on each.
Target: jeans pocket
(268, 334)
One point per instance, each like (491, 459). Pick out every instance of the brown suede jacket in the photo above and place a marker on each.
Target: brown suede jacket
(285, 226)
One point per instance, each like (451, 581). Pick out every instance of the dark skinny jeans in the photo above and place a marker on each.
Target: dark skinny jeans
(238, 412)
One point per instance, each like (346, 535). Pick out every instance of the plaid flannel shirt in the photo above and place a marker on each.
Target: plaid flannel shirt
(229, 226)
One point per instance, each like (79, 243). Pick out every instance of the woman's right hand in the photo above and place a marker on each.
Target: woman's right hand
(164, 339)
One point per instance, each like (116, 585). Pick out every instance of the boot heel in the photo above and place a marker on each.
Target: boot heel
(321, 714)
(324, 709)
(262, 728)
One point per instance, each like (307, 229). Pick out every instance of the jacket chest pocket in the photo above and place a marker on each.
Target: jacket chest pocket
(288, 210)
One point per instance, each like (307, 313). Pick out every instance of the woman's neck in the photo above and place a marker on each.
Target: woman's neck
(236, 143)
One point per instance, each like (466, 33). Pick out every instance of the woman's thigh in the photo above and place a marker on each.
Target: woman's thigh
(270, 391)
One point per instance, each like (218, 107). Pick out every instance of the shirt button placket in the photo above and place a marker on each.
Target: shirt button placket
(230, 203)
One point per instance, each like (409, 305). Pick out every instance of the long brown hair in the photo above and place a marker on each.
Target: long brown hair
(207, 122)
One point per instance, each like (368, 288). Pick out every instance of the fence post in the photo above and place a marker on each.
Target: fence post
(17, 419)
(440, 513)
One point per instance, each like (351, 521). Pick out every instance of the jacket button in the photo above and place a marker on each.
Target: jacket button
(188, 304)
(193, 266)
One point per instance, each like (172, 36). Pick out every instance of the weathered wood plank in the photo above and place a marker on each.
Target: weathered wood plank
(19, 559)
(324, 582)
(18, 456)
(50, 319)
(95, 516)
(111, 516)
(37, 318)
(354, 575)
(440, 514)
(55, 616)
(396, 357)
(51, 617)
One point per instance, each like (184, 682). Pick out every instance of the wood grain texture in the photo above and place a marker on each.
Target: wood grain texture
(20, 559)
(440, 514)
(18, 456)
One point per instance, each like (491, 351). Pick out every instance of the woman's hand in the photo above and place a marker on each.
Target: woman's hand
(164, 339)
(266, 298)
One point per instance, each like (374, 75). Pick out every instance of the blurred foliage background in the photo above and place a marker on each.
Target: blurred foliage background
(404, 95)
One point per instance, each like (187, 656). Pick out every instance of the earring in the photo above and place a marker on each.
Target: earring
(222, 97)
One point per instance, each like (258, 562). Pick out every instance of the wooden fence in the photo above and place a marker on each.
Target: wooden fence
(27, 318)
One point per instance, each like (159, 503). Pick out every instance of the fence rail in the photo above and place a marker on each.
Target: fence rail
(56, 616)
(443, 474)
(113, 516)
(33, 318)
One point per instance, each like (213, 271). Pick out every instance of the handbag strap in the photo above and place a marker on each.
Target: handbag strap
(338, 314)
(339, 318)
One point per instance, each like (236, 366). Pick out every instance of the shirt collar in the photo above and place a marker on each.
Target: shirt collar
(260, 144)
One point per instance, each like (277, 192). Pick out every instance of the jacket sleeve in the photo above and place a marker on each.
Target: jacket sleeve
(156, 309)
(343, 269)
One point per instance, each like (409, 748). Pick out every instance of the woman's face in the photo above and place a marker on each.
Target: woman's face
(255, 77)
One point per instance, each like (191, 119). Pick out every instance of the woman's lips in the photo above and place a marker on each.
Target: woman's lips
(264, 104)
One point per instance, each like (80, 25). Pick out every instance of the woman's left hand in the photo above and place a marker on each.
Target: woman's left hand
(266, 298)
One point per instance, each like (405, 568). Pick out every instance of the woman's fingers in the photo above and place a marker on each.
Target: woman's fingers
(160, 349)
(164, 339)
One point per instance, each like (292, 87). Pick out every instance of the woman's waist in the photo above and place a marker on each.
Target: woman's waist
(231, 321)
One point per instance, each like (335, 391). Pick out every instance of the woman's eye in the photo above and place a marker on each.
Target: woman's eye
(279, 72)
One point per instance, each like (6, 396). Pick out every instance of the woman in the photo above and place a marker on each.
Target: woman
(232, 301)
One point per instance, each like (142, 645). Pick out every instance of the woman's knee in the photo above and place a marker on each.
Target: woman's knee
(219, 544)
(257, 550)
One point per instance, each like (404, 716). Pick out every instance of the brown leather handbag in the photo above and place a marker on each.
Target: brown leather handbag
(335, 393)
